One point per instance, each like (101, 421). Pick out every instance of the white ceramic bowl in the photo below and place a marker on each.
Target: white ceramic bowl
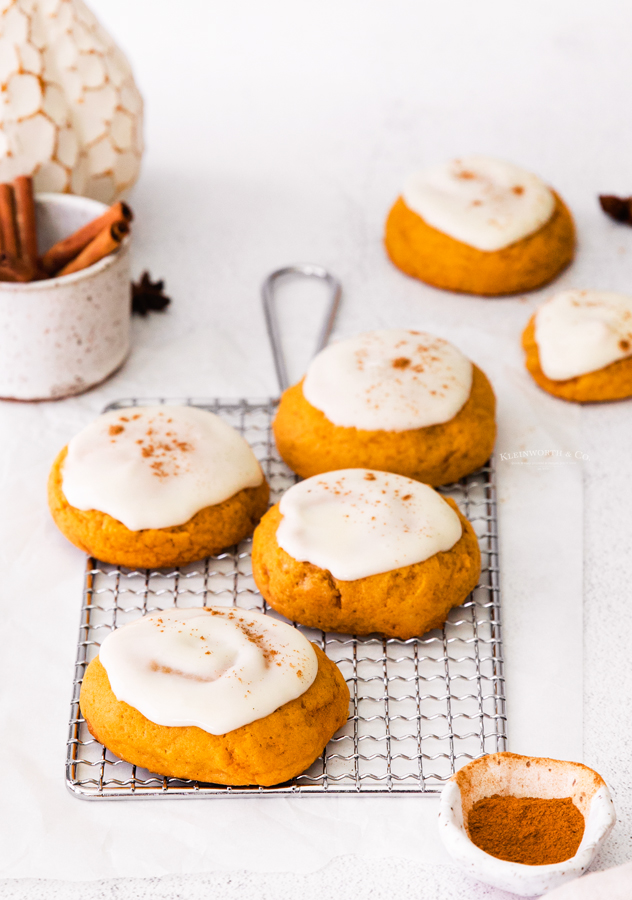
(523, 776)
(61, 336)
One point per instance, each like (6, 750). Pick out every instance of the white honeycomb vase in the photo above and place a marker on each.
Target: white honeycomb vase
(70, 112)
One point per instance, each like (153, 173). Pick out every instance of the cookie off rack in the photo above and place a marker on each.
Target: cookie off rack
(420, 708)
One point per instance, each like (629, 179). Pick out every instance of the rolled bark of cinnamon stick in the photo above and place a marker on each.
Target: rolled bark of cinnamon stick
(55, 260)
(26, 226)
(107, 241)
(8, 224)
(14, 269)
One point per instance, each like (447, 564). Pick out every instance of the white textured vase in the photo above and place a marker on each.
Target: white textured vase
(61, 336)
(70, 112)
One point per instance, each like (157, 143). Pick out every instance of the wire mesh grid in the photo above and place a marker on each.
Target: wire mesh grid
(420, 708)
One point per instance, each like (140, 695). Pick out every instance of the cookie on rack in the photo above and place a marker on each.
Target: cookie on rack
(156, 486)
(401, 401)
(361, 551)
(578, 346)
(220, 695)
(480, 225)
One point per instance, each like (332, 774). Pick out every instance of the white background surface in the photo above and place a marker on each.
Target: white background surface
(281, 132)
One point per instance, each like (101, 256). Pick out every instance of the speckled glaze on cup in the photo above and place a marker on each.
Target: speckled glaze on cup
(62, 336)
(508, 774)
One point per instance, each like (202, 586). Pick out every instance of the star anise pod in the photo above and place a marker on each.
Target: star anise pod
(148, 296)
(618, 208)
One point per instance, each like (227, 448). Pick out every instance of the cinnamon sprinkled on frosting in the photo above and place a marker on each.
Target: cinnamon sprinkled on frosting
(157, 467)
(391, 380)
(355, 523)
(217, 668)
(483, 202)
(582, 331)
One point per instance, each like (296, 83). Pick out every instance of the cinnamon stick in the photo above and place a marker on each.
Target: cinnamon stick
(55, 260)
(8, 224)
(14, 269)
(107, 241)
(26, 227)
(7, 274)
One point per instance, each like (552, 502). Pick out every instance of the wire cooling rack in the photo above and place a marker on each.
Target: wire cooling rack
(420, 708)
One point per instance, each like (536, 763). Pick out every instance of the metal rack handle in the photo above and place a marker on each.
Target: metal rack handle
(306, 270)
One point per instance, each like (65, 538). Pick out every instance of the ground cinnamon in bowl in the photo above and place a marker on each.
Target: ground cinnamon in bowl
(525, 824)
(531, 830)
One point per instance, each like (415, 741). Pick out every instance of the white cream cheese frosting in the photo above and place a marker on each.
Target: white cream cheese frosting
(217, 668)
(390, 380)
(484, 202)
(583, 331)
(157, 466)
(359, 522)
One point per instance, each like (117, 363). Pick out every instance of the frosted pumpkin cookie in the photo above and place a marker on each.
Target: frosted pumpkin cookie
(579, 346)
(219, 695)
(155, 486)
(401, 401)
(361, 551)
(480, 226)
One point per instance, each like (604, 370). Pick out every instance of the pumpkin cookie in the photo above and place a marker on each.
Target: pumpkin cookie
(363, 551)
(149, 487)
(400, 401)
(480, 226)
(204, 725)
(579, 346)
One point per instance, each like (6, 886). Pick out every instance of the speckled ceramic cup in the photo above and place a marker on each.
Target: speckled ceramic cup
(508, 774)
(62, 336)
